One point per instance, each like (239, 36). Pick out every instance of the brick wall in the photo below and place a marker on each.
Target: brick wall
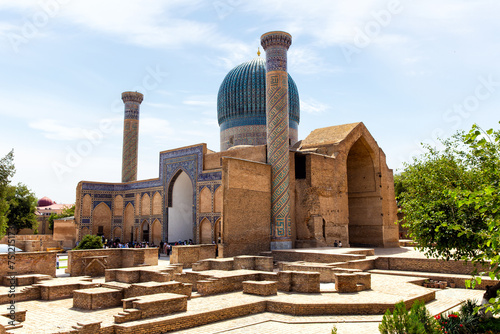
(116, 258)
(189, 254)
(30, 263)
(245, 210)
(425, 265)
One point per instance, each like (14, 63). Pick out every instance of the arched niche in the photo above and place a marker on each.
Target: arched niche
(205, 231)
(128, 223)
(101, 220)
(205, 200)
(365, 208)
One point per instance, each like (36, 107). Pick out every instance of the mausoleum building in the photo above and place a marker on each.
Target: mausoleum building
(265, 189)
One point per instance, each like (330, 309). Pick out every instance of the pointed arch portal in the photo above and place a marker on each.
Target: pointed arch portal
(180, 211)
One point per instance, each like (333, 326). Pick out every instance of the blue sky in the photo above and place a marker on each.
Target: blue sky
(412, 71)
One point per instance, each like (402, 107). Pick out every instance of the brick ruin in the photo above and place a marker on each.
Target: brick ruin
(150, 298)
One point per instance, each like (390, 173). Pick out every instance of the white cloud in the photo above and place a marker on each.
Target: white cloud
(60, 130)
(201, 101)
(159, 105)
(305, 60)
(57, 130)
(156, 127)
(312, 106)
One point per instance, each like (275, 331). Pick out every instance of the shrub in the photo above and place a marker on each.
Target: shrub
(90, 242)
(401, 321)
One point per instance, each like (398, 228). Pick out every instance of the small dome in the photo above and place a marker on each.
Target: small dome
(45, 201)
(242, 96)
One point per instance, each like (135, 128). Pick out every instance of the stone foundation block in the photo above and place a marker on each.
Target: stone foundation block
(97, 298)
(261, 288)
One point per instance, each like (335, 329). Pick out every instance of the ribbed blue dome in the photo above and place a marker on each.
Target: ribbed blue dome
(242, 96)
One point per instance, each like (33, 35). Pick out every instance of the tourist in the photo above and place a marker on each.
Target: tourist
(335, 244)
(340, 243)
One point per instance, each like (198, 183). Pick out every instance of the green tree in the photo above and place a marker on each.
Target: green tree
(90, 241)
(67, 212)
(7, 170)
(451, 198)
(22, 206)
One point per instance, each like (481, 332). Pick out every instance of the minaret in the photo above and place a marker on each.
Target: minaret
(132, 102)
(276, 44)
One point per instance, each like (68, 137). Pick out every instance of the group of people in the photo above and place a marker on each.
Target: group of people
(132, 244)
(165, 247)
(337, 244)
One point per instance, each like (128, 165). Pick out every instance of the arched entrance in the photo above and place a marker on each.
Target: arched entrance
(365, 207)
(180, 211)
(117, 233)
(218, 231)
(144, 231)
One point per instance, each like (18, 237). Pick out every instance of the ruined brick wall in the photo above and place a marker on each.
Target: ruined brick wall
(426, 265)
(30, 263)
(348, 191)
(116, 258)
(246, 207)
(189, 254)
(253, 153)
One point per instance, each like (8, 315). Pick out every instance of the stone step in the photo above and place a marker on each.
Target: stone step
(195, 295)
(442, 305)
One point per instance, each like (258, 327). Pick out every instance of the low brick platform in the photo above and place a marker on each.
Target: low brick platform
(23, 280)
(243, 262)
(352, 282)
(58, 289)
(144, 274)
(299, 281)
(97, 298)
(261, 288)
(151, 288)
(150, 306)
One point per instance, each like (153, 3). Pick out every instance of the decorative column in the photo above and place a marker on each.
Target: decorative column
(132, 102)
(276, 44)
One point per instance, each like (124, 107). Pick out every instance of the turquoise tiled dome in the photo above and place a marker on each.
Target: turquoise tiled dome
(242, 97)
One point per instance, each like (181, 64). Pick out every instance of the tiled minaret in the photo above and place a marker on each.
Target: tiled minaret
(276, 44)
(132, 102)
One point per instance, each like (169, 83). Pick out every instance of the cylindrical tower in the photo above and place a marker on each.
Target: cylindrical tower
(276, 44)
(132, 102)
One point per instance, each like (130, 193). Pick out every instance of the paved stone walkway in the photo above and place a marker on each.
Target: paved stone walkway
(270, 323)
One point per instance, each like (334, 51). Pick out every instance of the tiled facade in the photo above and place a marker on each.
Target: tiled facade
(124, 202)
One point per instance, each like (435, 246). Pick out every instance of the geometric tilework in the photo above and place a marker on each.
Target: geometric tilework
(188, 159)
(130, 150)
(276, 45)
(278, 155)
(132, 102)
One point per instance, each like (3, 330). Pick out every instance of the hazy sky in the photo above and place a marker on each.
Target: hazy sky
(410, 70)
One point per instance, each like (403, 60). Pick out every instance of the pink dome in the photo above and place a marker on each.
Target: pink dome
(45, 201)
